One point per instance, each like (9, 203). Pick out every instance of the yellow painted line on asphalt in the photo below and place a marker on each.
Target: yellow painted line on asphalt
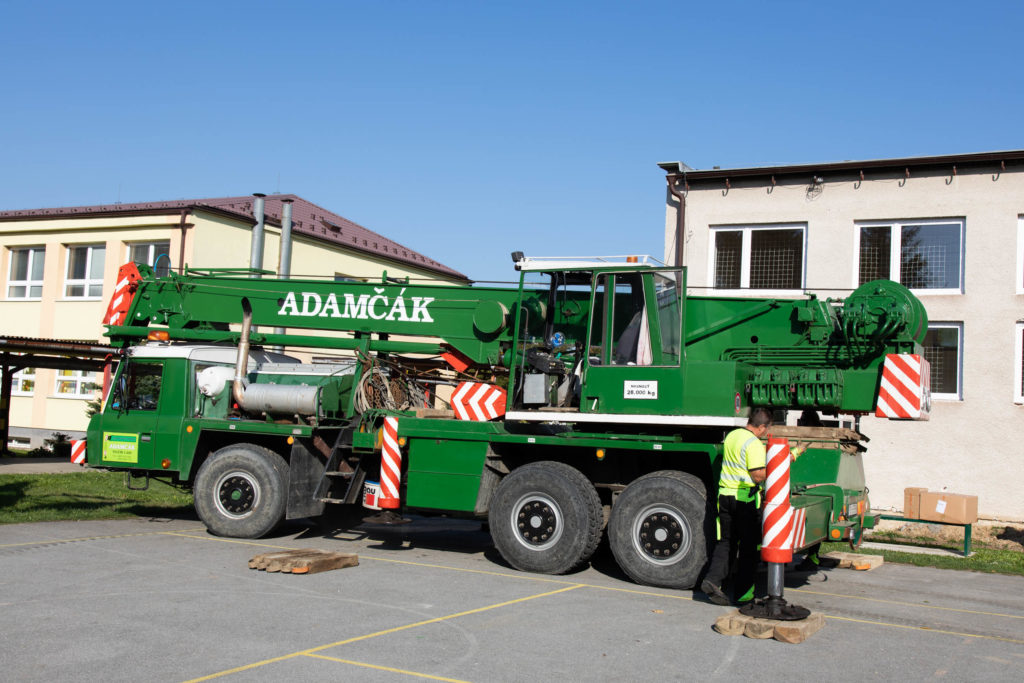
(185, 534)
(542, 579)
(519, 576)
(377, 634)
(387, 668)
(926, 629)
(99, 538)
(906, 604)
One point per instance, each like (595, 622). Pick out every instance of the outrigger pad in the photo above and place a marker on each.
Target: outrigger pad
(774, 608)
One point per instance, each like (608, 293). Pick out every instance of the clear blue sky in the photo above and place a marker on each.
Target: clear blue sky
(466, 130)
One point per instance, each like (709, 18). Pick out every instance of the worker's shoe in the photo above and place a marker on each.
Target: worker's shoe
(714, 593)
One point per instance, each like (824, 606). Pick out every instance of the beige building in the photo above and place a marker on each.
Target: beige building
(951, 228)
(60, 267)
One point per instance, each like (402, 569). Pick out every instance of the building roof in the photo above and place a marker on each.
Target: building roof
(906, 165)
(308, 220)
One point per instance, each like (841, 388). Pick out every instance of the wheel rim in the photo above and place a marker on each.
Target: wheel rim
(661, 534)
(537, 521)
(237, 494)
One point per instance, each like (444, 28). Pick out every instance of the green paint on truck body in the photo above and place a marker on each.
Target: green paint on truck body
(611, 368)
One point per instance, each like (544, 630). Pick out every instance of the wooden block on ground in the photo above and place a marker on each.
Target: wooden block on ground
(761, 629)
(799, 631)
(731, 624)
(327, 563)
(856, 560)
(263, 560)
(303, 561)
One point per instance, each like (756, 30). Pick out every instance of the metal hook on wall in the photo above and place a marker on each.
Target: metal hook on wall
(772, 185)
(728, 186)
(1002, 167)
(856, 185)
(904, 181)
(949, 180)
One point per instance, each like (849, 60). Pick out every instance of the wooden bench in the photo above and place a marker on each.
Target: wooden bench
(967, 528)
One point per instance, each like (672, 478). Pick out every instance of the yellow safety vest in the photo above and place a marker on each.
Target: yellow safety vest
(743, 452)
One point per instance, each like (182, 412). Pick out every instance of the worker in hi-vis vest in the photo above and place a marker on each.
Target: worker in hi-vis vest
(739, 519)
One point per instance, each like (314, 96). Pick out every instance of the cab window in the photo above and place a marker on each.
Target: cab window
(138, 387)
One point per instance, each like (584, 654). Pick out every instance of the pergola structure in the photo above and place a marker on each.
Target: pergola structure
(17, 353)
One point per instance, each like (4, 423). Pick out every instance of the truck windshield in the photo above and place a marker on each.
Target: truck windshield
(138, 387)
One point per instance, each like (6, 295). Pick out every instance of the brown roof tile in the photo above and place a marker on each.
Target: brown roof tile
(308, 219)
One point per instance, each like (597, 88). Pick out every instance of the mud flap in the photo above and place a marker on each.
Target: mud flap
(305, 470)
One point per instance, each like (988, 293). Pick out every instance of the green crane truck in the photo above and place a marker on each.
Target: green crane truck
(591, 399)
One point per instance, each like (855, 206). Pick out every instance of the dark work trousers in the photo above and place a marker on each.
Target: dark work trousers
(737, 547)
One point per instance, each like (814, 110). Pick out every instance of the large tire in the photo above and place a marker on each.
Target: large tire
(241, 491)
(656, 531)
(546, 517)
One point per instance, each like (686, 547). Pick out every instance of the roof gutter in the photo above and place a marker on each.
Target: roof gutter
(979, 161)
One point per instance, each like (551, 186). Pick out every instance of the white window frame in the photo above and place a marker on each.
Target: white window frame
(87, 281)
(959, 327)
(150, 245)
(16, 381)
(80, 378)
(29, 283)
(746, 231)
(1018, 362)
(1020, 254)
(895, 250)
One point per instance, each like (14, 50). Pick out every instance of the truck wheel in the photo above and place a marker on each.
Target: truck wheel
(240, 491)
(545, 517)
(656, 530)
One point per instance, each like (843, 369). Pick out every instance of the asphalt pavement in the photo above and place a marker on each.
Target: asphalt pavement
(163, 600)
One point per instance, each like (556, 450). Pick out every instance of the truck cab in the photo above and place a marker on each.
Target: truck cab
(169, 403)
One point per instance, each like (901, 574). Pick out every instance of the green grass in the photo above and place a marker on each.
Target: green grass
(991, 560)
(85, 495)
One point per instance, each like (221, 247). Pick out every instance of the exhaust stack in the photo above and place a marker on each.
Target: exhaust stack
(256, 246)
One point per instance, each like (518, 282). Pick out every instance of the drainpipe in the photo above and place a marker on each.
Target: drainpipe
(256, 247)
(284, 259)
(673, 178)
(181, 251)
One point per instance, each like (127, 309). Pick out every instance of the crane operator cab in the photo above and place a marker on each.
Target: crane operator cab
(605, 340)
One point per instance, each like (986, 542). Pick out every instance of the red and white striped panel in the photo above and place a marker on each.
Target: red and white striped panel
(799, 529)
(78, 451)
(777, 523)
(390, 465)
(478, 401)
(905, 392)
(121, 299)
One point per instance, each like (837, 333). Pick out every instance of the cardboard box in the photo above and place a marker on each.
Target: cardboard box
(955, 508)
(912, 501)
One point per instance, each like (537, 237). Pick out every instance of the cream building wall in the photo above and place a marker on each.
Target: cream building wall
(969, 445)
(213, 240)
